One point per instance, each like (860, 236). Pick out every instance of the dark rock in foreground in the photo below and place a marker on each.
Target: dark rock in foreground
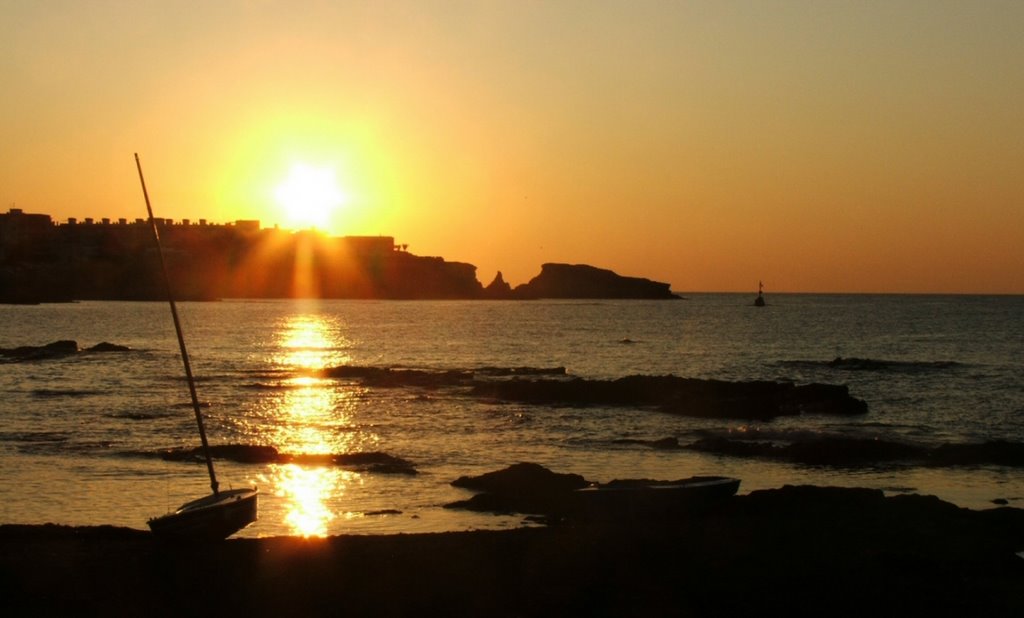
(795, 551)
(522, 478)
(520, 488)
(560, 498)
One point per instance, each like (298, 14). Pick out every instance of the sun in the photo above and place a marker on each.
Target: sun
(309, 195)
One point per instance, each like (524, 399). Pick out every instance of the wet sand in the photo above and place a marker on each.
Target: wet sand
(791, 551)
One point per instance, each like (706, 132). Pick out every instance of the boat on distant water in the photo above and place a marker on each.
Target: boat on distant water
(759, 301)
(222, 513)
(651, 500)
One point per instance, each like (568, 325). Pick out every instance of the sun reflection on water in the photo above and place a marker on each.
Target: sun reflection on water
(311, 415)
(304, 491)
(310, 342)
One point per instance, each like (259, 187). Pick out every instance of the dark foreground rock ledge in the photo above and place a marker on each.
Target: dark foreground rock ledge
(796, 551)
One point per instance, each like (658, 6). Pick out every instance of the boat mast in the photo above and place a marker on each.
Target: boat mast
(181, 338)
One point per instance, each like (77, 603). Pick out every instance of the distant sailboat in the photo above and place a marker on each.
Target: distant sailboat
(222, 513)
(759, 301)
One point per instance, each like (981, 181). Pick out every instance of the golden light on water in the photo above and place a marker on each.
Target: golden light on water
(308, 342)
(313, 416)
(304, 490)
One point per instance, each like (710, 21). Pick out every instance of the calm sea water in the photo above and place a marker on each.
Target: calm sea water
(79, 434)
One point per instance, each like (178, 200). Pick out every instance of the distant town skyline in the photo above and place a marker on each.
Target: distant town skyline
(818, 147)
(42, 260)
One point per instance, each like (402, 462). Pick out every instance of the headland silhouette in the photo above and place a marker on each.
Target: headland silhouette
(45, 261)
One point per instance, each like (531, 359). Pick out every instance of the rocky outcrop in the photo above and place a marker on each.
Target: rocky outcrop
(520, 488)
(583, 281)
(522, 478)
(684, 396)
(498, 288)
(55, 349)
(555, 497)
(758, 400)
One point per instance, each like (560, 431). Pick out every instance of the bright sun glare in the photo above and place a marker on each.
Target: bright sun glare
(309, 195)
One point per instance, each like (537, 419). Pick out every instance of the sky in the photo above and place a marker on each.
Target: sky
(818, 146)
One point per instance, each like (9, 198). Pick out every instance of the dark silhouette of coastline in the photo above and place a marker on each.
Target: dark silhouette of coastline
(44, 261)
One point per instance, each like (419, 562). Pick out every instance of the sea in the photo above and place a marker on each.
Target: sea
(82, 435)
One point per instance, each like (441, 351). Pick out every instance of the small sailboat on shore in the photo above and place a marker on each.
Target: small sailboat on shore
(759, 301)
(222, 513)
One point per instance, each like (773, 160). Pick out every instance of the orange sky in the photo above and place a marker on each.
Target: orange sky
(818, 146)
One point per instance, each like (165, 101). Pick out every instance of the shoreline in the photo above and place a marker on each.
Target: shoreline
(799, 550)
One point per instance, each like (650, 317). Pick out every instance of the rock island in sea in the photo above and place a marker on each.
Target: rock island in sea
(45, 261)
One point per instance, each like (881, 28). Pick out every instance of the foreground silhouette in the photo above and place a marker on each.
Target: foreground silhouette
(794, 551)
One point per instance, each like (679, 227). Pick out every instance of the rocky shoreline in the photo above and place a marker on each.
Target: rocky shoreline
(793, 551)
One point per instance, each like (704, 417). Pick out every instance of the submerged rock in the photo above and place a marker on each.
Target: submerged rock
(108, 347)
(387, 377)
(853, 452)
(377, 462)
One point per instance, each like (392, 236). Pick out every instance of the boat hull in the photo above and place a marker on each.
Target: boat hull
(647, 501)
(212, 517)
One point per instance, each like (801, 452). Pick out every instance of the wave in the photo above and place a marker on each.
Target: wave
(145, 416)
(668, 444)
(274, 386)
(520, 371)
(870, 364)
(51, 437)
